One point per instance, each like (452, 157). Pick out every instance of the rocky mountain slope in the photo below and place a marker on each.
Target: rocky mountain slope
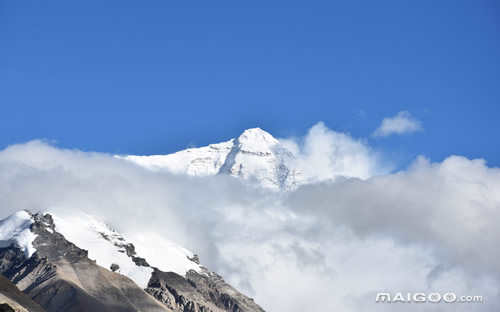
(14, 300)
(55, 272)
(254, 155)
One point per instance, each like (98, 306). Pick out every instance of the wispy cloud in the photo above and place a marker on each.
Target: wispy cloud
(402, 123)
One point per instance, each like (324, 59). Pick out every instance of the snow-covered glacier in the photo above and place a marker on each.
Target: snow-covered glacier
(255, 156)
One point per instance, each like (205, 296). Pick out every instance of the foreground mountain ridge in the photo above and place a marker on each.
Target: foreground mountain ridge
(60, 276)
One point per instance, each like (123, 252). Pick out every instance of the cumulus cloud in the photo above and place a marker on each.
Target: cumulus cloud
(326, 246)
(324, 154)
(402, 123)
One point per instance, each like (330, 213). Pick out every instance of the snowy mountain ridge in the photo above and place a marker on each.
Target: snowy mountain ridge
(113, 251)
(254, 155)
(105, 246)
(79, 263)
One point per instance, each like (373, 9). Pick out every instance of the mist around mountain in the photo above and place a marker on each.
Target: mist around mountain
(258, 157)
(345, 230)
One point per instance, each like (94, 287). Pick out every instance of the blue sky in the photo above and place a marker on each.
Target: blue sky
(154, 77)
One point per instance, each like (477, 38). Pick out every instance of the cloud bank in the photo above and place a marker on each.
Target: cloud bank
(331, 245)
(324, 154)
(402, 123)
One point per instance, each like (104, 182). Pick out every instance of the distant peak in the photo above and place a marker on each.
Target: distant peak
(256, 136)
(254, 130)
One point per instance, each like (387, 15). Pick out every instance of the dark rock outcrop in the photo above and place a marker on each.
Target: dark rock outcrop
(5, 307)
(206, 292)
(12, 299)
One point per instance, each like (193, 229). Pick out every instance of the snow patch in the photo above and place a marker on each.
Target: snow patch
(107, 247)
(164, 254)
(85, 232)
(16, 230)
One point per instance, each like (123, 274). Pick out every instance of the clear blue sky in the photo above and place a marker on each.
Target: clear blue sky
(149, 77)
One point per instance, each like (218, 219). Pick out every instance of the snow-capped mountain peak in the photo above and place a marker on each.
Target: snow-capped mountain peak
(254, 155)
(256, 141)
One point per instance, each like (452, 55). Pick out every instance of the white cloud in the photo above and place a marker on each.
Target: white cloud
(402, 123)
(326, 246)
(324, 154)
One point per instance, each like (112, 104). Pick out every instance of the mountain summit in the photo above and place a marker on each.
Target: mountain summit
(255, 155)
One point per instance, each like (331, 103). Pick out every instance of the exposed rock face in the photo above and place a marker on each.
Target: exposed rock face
(224, 295)
(198, 293)
(14, 300)
(178, 294)
(60, 277)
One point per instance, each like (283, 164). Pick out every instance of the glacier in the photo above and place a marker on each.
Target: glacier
(253, 156)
